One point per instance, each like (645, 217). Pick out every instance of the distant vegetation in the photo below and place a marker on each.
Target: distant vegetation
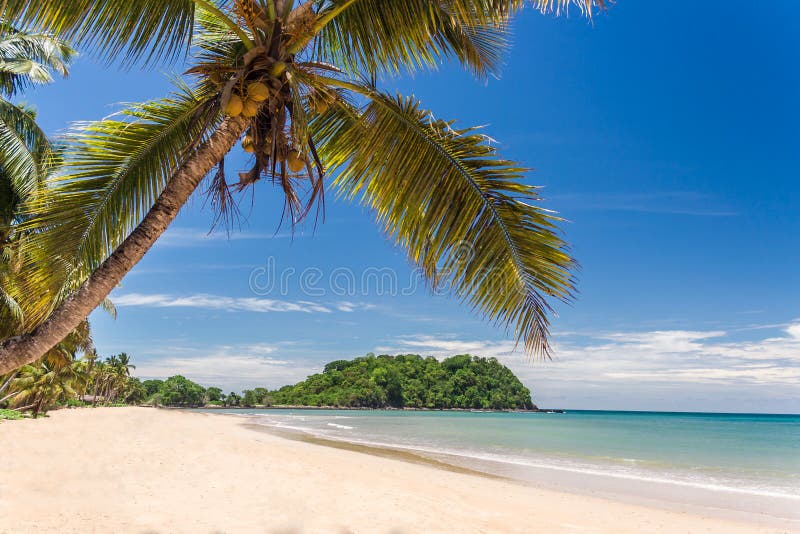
(62, 379)
(410, 381)
(404, 381)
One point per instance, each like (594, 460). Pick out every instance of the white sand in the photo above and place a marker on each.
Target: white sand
(147, 470)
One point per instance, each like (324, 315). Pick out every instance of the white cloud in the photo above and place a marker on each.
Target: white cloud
(794, 330)
(233, 304)
(442, 346)
(228, 366)
(348, 307)
(192, 237)
(663, 356)
(244, 304)
(679, 370)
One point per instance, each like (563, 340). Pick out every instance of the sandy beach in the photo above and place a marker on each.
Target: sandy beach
(148, 470)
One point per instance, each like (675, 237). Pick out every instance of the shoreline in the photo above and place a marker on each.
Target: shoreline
(649, 492)
(137, 469)
(356, 408)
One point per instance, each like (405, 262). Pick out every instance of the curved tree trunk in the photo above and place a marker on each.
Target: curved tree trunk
(20, 350)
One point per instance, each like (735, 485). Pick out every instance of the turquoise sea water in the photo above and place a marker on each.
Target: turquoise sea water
(738, 455)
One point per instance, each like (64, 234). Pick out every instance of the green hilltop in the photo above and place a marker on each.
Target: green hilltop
(410, 381)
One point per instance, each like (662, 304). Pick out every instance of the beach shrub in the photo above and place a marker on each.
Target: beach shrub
(10, 414)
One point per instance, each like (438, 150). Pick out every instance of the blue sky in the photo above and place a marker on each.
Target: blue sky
(666, 136)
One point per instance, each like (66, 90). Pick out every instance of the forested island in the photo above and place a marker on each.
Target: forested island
(410, 381)
(406, 381)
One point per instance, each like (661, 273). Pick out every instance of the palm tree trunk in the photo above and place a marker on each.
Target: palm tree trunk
(10, 395)
(8, 382)
(38, 406)
(20, 350)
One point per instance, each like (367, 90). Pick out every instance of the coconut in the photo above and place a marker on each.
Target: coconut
(247, 144)
(296, 161)
(320, 105)
(234, 106)
(277, 69)
(250, 108)
(257, 91)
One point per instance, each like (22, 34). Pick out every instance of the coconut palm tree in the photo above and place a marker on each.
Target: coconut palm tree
(63, 354)
(26, 59)
(124, 363)
(299, 83)
(40, 386)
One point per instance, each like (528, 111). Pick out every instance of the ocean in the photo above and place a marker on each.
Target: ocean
(748, 463)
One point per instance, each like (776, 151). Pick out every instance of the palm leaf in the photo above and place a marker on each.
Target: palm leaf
(135, 30)
(389, 37)
(463, 213)
(11, 316)
(114, 171)
(30, 58)
(24, 149)
(380, 36)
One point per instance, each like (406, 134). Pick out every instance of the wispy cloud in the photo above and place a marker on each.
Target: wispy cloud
(217, 302)
(655, 370)
(192, 237)
(664, 356)
(233, 304)
(206, 301)
(229, 366)
(666, 202)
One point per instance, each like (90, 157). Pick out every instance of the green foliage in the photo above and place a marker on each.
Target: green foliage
(180, 391)
(114, 170)
(233, 399)
(134, 391)
(214, 395)
(152, 387)
(10, 414)
(411, 381)
(26, 157)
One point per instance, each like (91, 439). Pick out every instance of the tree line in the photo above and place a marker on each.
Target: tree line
(403, 381)
(64, 380)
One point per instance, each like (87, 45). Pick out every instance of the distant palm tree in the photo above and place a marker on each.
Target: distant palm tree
(64, 354)
(124, 362)
(40, 386)
(298, 81)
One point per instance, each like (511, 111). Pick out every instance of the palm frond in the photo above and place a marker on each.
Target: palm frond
(586, 7)
(463, 213)
(379, 36)
(30, 58)
(108, 306)
(25, 151)
(389, 37)
(114, 171)
(11, 316)
(133, 30)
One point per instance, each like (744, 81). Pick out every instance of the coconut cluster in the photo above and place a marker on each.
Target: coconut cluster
(295, 160)
(247, 103)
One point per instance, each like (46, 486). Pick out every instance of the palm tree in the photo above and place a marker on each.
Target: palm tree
(63, 354)
(299, 82)
(124, 363)
(41, 385)
(26, 59)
